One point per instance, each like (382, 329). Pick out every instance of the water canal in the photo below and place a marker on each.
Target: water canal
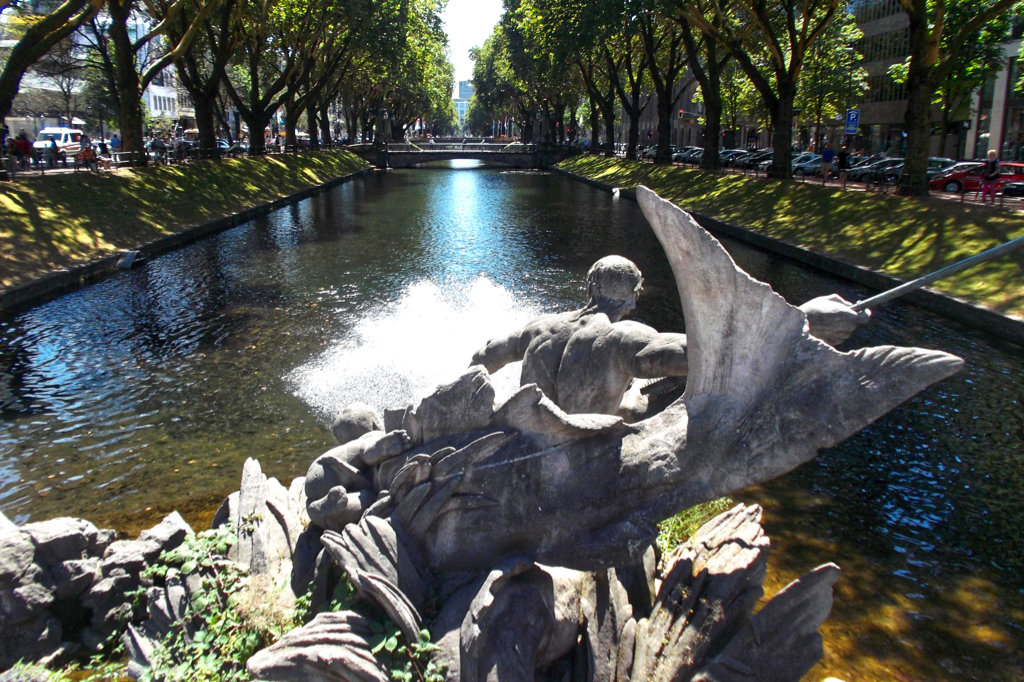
(145, 393)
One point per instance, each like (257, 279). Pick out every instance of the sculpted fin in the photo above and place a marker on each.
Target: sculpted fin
(761, 391)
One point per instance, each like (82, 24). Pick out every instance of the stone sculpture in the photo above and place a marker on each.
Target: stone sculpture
(585, 360)
(532, 526)
(521, 535)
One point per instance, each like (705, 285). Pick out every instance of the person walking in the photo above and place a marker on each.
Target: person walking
(24, 149)
(12, 158)
(115, 143)
(827, 154)
(843, 163)
(991, 175)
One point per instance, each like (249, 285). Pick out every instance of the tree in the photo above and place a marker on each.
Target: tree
(937, 45)
(41, 33)
(202, 68)
(626, 65)
(62, 68)
(663, 43)
(770, 42)
(137, 60)
(981, 56)
(497, 89)
(706, 59)
(270, 52)
(830, 77)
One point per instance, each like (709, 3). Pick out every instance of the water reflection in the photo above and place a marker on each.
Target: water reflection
(145, 393)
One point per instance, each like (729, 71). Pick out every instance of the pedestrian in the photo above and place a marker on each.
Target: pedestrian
(24, 150)
(5, 132)
(843, 162)
(115, 144)
(826, 161)
(991, 175)
(12, 158)
(54, 153)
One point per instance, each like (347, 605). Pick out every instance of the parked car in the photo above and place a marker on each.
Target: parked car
(873, 172)
(968, 178)
(68, 141)
(1013, 189)
(806, 164)
(756, 157)
(937, 165)
(684, 154)
(725, 157)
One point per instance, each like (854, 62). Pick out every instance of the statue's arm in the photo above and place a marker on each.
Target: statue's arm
(501, 351)
(832, 319)
(646, 354)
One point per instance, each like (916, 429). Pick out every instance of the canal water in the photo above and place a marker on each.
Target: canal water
(146, 392)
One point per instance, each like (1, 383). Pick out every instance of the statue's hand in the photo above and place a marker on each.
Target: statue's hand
(832, 319)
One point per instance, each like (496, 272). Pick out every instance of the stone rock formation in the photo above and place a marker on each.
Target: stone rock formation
(64, 585)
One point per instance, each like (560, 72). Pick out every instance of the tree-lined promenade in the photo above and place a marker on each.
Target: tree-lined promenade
(904, 238)
(375, 59)
(747, 59)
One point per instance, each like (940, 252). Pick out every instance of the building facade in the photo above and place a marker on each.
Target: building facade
(462, 102)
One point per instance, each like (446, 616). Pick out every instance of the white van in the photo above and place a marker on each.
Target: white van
(68, 141)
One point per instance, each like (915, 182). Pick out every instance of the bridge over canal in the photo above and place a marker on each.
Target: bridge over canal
(512, 155)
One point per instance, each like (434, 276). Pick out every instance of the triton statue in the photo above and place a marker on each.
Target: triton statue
(521, 535)
(584, 360)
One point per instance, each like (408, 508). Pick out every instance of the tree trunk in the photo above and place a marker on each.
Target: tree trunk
(126, 79)
(782, 135)
(917, 118)
(634, 137)
(710, 159)
(206, 126)
(311, 124)
(595, 124)
(325, 124)
(291, 121)
(664, 154)
(258, 123)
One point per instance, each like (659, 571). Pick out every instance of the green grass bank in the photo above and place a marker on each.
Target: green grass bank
(900, 236)
(56, 221)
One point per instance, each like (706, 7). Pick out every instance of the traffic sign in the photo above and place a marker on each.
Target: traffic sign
(852, 121)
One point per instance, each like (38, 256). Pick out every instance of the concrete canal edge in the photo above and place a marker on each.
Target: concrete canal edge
(53, 284)
(1008, 327)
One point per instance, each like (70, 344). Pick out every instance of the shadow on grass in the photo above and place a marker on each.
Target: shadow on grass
(901, 236)
(55, 221)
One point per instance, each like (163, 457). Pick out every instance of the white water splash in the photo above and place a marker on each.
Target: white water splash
(399, 352)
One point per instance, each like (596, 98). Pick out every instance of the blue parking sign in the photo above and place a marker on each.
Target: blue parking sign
(852, 121)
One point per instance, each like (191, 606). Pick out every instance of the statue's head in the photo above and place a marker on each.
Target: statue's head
(613, 284)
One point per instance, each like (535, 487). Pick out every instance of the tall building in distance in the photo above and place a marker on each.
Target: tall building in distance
(462, 102)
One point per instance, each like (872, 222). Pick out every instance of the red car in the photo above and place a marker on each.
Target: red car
(967, 177)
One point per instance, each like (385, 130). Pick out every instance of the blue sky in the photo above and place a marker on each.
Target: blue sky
(468, 24)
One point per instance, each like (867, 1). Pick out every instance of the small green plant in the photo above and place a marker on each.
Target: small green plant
(406, 662)
(232, 615)
(678, 529)
(29, 672)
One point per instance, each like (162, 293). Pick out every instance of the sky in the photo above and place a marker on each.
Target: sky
(468, 23)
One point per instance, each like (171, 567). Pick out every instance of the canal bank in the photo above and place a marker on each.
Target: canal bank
(62, 231)
(877, 241)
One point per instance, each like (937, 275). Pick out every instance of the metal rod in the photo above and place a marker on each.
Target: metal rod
(939, 274)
